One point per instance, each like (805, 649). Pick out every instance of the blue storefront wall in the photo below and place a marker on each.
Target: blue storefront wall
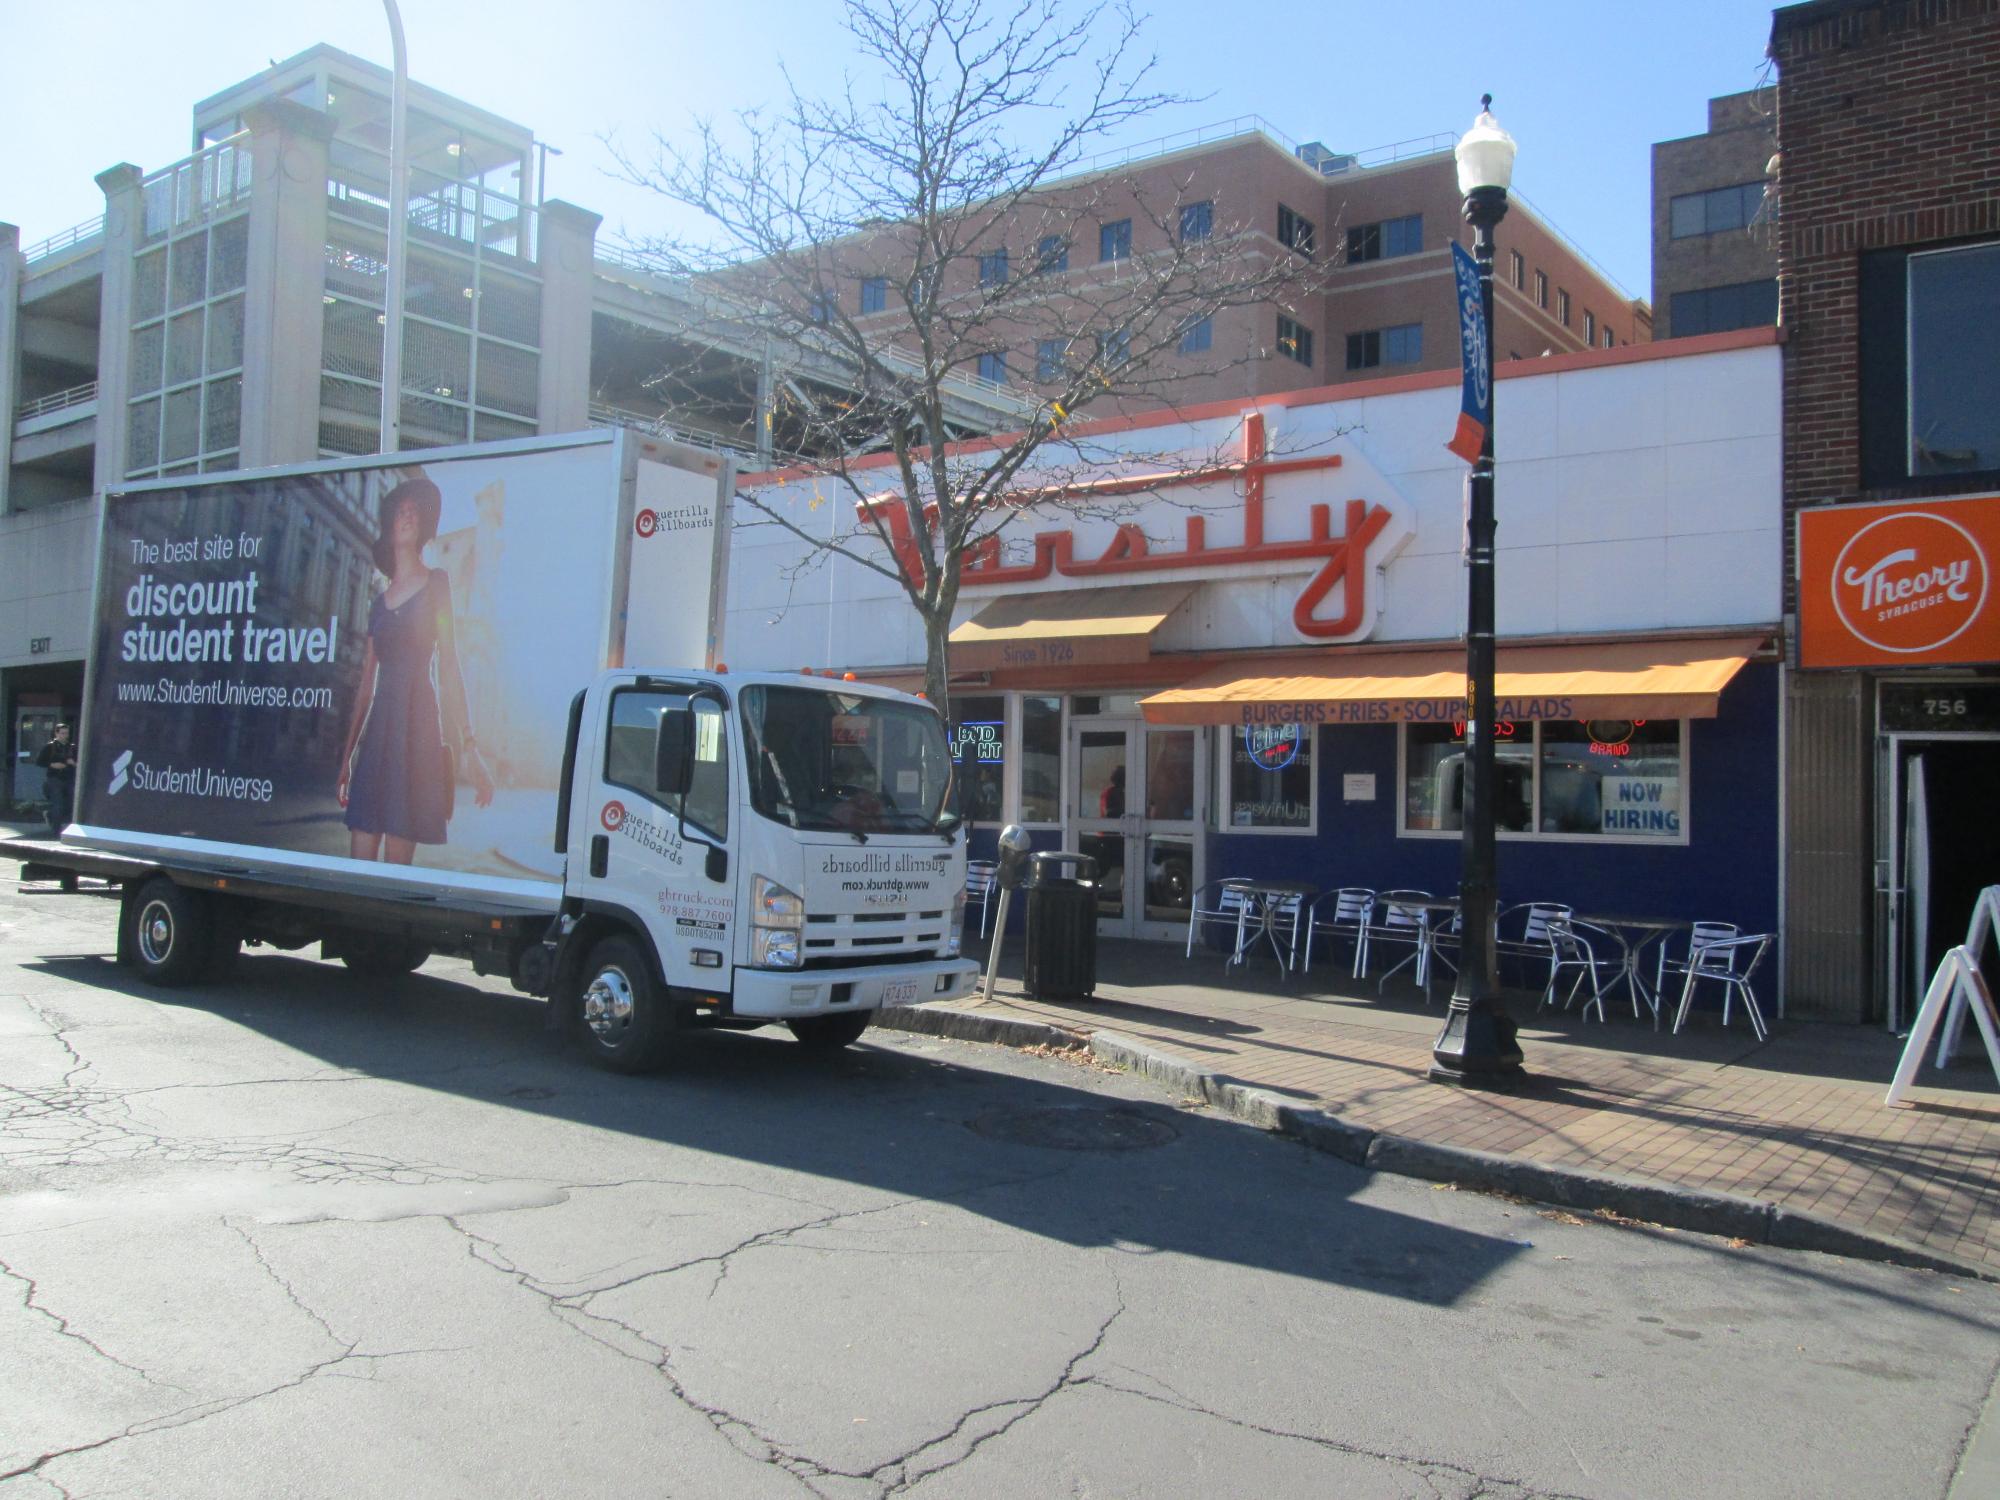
(1726, 871)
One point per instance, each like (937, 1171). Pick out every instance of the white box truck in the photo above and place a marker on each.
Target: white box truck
(465, 702)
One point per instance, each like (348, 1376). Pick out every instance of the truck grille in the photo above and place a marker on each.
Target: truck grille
(848, 939)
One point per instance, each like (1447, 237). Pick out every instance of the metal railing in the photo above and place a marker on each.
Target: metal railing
(76, 234)
(76, 395)
(1569, 243)
(213, 181)
(1166, 145)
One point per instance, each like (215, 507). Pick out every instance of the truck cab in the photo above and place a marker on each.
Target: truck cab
(748, 849)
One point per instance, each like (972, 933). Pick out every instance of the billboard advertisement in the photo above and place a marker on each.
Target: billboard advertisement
(371, 664)
(1904, 584)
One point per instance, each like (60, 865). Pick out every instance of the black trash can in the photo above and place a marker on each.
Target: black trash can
(1062, 926)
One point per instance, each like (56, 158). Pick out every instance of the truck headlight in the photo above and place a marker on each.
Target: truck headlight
(954, 937)
(777, 920)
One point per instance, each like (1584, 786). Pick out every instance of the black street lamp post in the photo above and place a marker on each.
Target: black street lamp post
(1477, 1048)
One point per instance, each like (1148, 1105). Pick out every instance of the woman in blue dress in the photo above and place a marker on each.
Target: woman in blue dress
(396, 776)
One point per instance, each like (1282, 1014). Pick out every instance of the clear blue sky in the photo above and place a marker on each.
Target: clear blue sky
(1586, 86)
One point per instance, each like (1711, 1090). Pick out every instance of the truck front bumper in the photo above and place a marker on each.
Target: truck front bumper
(786, 993)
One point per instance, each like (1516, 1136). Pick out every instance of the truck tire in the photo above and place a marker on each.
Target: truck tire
(385, 959)
(169, 932)
(831, 1033)
(623, 1018)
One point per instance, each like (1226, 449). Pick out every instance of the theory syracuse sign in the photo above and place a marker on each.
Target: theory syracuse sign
(1904, 584)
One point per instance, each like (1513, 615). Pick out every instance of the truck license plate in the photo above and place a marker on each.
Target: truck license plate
(899, 992)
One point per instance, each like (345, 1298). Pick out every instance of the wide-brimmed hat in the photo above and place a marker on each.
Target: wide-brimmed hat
(419, 491)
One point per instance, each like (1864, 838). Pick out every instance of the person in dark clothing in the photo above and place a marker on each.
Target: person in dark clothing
(58, 762)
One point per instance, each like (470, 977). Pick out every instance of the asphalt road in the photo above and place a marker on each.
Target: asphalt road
(301, 1235)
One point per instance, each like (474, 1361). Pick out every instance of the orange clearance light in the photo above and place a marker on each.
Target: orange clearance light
(923, 695)
(849, 677)
(805, 671)
(722, 669)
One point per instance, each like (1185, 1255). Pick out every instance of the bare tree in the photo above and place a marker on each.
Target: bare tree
(917, 186)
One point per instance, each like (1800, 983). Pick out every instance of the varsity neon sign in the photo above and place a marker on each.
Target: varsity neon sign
(1346, 560)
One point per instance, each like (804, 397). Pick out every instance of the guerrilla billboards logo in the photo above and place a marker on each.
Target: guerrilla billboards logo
(619, 819)
(1272, 747)
(613, 816)
(1909, 583)
(687, 518)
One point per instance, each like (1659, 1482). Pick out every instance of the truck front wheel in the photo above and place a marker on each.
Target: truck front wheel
(622, 1016)
(831, 1033)
(167, 932)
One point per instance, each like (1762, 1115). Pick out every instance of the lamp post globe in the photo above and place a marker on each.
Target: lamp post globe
(1476, 1048)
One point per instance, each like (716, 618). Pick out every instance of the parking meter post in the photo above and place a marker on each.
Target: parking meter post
(1014, 846)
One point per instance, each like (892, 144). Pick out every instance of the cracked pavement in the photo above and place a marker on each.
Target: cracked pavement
(301, 1235)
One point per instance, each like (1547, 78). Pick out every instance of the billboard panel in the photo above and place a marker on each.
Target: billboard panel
(372, 664)
(1907, 583)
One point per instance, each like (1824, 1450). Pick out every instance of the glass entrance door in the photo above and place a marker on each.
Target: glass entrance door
(1136, 808)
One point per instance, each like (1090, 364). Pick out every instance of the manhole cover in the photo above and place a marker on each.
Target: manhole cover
(1077, 1127)
(529, 1091)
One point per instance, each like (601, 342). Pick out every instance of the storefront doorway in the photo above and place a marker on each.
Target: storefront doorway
(1137, 802)
(1938, 804)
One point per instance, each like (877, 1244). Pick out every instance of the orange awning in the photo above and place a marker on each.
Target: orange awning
(1070, 627)
(1670, 679)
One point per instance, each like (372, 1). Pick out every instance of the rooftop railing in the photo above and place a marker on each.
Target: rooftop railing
(55, 401)
(212, 182)
(76, 234)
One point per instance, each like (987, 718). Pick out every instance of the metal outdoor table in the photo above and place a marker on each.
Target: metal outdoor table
(1432, 907)
(1643, 932)
(1264, 900)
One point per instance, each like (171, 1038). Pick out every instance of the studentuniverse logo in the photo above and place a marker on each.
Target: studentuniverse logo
(186, 781)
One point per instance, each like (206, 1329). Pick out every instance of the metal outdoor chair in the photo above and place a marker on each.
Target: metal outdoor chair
(1716, 960)
(1699, 937)
(1346, 917)
(1217, 902)
(1394, 922)
(1536, 939)
(1574, 945)
(982, 877)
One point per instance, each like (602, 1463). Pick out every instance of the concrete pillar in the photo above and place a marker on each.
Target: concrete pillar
(124, 231)
(12, 269)
(283, 323)
(566, 251)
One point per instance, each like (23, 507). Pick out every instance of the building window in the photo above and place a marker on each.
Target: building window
(1608, 340)
(1401, 345)
(1542, 290)
(1049, 360)
(1562, 307)
(1197, 221)
(1295, 230)
(1714, 211)
(993, 367)
(1589, 328)
(1562, 779)
(993, 269)
(1930, 388)
(1114, 241)
(1718, 309)
(1041, 759)
(1517, 270)
(1268, 784)
(1051, 254)
(1114, 348)
(820, 309)
(874, 293)
(1295, 341)
(1196, 336)
(978, 751)
(1404, 236)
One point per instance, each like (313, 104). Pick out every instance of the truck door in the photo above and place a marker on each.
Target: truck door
(651, 850)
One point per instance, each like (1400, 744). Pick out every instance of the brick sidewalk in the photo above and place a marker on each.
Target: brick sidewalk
(1797, 1121)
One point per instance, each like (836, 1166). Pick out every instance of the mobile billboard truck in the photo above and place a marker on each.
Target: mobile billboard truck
(466, 703)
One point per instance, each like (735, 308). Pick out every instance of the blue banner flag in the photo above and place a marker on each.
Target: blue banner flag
(1475, 407)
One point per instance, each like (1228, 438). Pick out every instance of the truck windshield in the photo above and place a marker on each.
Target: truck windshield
(847, 762)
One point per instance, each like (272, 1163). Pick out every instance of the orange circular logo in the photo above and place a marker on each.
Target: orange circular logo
(1910, 582)
(613, 816)
(646, 523)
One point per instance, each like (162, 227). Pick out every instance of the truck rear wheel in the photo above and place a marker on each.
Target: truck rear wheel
(623, 1017)
(831, 1033)
(168, 931)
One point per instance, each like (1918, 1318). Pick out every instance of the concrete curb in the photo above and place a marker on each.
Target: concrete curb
(1756, 1220)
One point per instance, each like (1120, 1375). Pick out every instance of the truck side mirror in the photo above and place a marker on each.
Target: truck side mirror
(673, 753)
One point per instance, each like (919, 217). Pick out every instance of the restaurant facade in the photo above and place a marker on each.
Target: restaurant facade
(1232, 645)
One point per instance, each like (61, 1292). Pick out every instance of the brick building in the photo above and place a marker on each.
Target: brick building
(1889, 273)
(1715, 253)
